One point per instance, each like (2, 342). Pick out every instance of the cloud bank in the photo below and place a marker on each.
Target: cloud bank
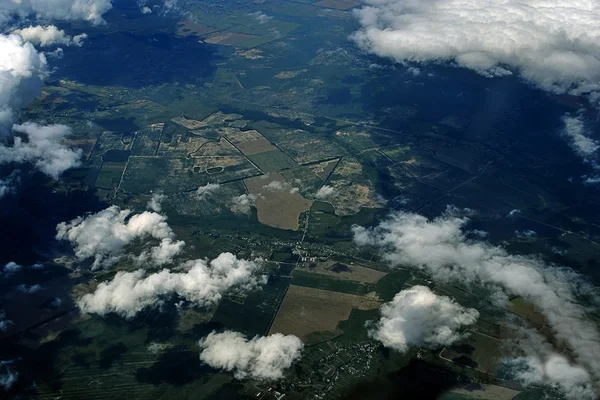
(243, 203)
(441, 248)
(46, 36)
(326, 192)
(570, 380)
(575, 131)
(104, 235)
(55, 10)
(202, 283)
(22, 69)
(419, 317)
(43, 149)
(8, 376)
(262, 357)
(553, 44)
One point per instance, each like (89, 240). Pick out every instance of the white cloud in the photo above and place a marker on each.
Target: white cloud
(261, 17)
(29, 288)
(50, 35)
(326, 192)
(281, 186)
(155, 202)
(43, 149)
(243, 203)
(4, 322)
(55, 10)
(440, 248)
(7, 185)
(8, 376)
(202, 283)
(105, 234)
(575, 131)
(12, 267)
(164, 253)
(262, 357)
(204, 191)
(22, 69)
(555, 370)
(419, 317)
(146, 10)
(525, 234)
(553, 44)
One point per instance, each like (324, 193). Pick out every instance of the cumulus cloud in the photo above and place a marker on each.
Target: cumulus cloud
(261, 17)
(8, 376)
(526, 234)
(29, 288)
(8, 184)
(575, 132)
(46, 36)
(5, 323)
(202, 283)
(146, 10)
(204, 191)
(281, 186)
(419, 317)
(243, 203)
(440, 248)
(55, 10)
(155, 202)
(555, 45)
(104, 235)
(22, 69)
(43, 148)
(326, 192)
(262, 357)
(555, 370)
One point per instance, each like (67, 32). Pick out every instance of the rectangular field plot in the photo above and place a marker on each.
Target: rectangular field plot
(306, 310)
(304, 147)
(147, 140)
(256, 146)
(110, 175)
(208, 202)
(272, 161)
(478, 351)
(345, 272)
(144, 174)
(256, 312)
(330, 283)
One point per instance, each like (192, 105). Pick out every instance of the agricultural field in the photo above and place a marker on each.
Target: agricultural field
(305, 278)
(109, 175)
(478, 351)
(307, 310)
(147, 140)
(339, 270)
(272, 161)
(254, 313)
(304, 147)
(278, 202)
(351, 190)
(146, 174)
(210, 201)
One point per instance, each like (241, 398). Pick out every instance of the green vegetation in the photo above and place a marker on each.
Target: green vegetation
(318, 281)
(271, 161)
(257, 310)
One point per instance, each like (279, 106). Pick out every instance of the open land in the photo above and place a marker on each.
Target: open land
(306, 310)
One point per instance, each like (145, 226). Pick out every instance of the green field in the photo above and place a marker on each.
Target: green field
(318, 281)
(272, 161)
(255, 315)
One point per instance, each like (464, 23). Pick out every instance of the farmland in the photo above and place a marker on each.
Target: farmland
(306, 310)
